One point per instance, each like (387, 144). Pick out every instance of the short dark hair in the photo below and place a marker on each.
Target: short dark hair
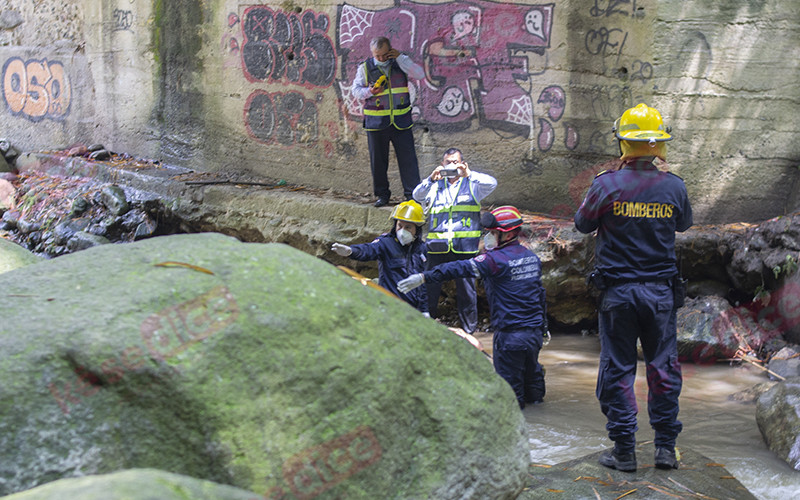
(379, 41)
(452, 151)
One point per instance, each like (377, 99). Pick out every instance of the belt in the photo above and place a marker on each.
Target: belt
(638, 282)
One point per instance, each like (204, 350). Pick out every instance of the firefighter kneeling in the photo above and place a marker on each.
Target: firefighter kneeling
(512, 278)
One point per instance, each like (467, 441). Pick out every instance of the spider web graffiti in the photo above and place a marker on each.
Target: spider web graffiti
(521, 111)
(353, 105)
(353, 23)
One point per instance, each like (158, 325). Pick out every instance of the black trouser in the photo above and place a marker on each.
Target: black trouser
(629, 312)
(466, 295)
(403, 141)
(516, 358)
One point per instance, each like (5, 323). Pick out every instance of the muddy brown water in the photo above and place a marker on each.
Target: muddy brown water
(570, 425)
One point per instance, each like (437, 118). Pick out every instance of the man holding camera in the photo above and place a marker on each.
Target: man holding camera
(452, 197)
(382, 83)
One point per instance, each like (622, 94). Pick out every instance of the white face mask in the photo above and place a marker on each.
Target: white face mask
(383, 64)
(489, 241)
(404, 237)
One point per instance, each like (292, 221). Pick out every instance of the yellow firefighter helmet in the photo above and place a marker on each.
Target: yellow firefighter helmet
(409, 211)
(641, 132)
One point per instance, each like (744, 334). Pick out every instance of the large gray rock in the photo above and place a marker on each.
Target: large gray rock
(785, 363)
(710, 329)
(252, 365)
(13, 256)
(134, 484)
(778, 419)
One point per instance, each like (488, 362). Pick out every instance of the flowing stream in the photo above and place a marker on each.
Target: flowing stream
(569, 424)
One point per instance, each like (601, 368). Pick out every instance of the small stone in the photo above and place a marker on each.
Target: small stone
(100, 155)
(79, 205)
(83, 240)
(113, 198)
(10, 19)
(77, 151)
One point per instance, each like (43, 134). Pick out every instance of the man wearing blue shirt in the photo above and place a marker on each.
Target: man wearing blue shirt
(636, 211)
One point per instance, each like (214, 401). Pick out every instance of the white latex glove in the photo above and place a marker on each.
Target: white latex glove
(410, 283)
(342, 250)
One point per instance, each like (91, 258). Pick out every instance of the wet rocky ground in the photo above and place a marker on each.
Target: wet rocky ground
(59, 202)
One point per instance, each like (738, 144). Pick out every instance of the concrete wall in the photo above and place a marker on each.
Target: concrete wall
(529, 92)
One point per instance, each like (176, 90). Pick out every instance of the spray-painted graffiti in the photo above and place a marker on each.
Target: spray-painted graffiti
(288, 119)
(123, 19)
(477, 56)
(289, 47)
(36, 89)
(608, 8)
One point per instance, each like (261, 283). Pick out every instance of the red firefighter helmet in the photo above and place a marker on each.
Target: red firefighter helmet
(505, 218)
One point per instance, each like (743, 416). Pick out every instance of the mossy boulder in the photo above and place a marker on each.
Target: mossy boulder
(13, 256)
(253, 365)
(134, 484)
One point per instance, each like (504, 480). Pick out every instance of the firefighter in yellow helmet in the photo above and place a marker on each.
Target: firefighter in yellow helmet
(400, 252)
(636, 211)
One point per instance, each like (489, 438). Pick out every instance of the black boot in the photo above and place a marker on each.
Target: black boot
(625, 462)
(666, 459)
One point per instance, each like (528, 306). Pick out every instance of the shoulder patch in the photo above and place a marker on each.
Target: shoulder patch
(480, 258)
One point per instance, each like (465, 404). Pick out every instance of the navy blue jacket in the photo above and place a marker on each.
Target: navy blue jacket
(636, 211)
(396, 262)
(512, 279)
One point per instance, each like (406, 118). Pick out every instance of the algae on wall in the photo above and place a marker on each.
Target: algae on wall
(179, 110)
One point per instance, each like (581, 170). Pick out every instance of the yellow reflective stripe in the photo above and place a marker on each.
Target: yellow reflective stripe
(456, 234)
(386, 112)
(456, 208)
(400, 90)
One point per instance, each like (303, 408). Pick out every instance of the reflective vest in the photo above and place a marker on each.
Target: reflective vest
(455, 228)
(393, 105)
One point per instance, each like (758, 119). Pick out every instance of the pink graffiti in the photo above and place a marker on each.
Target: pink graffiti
(546, 135)
(556, 100)
(462, 46)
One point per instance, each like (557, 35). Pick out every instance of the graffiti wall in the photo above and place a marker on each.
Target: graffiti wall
(479, 59)
(528, 89)
(36, 89)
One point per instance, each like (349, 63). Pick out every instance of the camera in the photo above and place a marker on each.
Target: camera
(449, 172)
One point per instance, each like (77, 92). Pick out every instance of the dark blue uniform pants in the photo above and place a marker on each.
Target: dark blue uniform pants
(628, 312)
(403, 141)
(516, 358)
(466, 295)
